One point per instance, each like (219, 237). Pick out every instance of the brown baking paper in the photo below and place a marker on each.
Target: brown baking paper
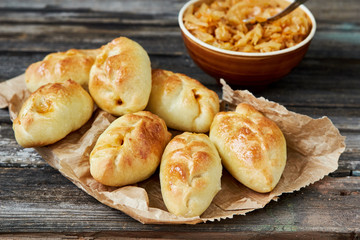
(313, 145)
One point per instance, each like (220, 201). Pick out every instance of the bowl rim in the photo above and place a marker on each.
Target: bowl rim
(254, 54)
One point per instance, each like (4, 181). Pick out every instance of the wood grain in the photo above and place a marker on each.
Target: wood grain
(37, 201)
(295, 89)
(55, 200)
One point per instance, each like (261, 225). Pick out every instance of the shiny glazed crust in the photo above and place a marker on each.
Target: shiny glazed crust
(120, 79)
(184, 103)
(129, 150)
(52, 112)
(190, 174)
(58, 67)
(252, 147)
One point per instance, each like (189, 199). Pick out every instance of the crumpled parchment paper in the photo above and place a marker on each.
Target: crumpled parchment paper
(313, 147)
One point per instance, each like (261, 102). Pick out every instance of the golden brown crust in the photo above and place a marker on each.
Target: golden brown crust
(252, 147)
(190, 174)
(120, 79)
(184, 103)
(129, 150)
(58, 67)
(52, 112)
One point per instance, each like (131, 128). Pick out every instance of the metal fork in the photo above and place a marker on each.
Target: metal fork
(284, 12)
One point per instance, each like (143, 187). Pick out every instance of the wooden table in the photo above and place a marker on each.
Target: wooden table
(37, 201)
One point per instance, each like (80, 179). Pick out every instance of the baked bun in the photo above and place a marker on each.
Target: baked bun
(129, 150)
(252, 147)
(190, 174)
(59, 67)
(184, 103)
(52, 112)
(120, 79)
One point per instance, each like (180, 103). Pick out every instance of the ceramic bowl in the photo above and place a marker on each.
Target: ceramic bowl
(241, 68)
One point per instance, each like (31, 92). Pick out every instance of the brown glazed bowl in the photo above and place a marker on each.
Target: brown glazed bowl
(242, 68)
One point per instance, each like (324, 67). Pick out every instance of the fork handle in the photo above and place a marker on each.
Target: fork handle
(287, 10)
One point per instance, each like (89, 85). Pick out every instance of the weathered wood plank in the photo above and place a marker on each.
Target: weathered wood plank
(4, 116)
(41, 200)
(323, 10)
(83, 17)
(89, 24)
(186, 235)
(306, 86)
(142, 7)
(166, 40)
(126, 16)
(13, 155)
(36, 200)
(34, 38)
